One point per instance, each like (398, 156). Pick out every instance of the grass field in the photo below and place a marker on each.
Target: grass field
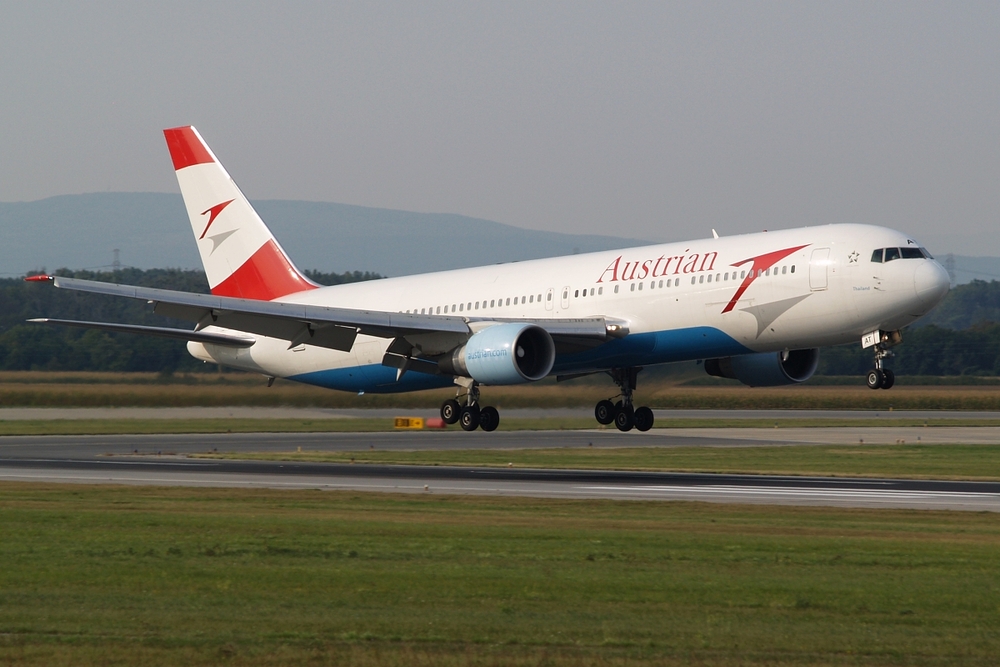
(371, 425)
(95, 575)
(137, 389)
(979, 462)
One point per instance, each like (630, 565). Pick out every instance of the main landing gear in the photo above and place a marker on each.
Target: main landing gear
(881, 377)
(622, 413)
(470, 416)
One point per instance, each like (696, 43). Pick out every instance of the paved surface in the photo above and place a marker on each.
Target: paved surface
(158, 460)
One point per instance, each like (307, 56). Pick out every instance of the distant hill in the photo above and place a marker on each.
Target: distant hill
(151, 230)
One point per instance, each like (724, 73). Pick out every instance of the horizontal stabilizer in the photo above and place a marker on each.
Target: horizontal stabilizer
(162, 332)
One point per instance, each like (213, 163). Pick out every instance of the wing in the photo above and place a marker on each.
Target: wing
(323, 326)
(162, 332)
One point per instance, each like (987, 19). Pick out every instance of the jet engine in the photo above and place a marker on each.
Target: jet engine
(511, 353)
(766, 369)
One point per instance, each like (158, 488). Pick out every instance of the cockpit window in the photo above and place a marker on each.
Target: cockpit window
(889, 254)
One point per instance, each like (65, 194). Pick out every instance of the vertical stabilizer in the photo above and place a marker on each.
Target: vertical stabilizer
(240, 255)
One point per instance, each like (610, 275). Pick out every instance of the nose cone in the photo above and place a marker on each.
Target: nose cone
(931, 283)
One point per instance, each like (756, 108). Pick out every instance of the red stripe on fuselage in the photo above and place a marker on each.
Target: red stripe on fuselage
(265, 276)
(186, 148)
(761, 263)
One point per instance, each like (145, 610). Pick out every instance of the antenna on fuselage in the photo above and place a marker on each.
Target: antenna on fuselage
(715, 234)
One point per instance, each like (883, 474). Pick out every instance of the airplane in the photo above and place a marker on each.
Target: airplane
(754, 307)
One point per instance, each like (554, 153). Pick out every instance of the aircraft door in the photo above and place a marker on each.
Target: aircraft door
(565, 297)
(818, 263)
(550, 298)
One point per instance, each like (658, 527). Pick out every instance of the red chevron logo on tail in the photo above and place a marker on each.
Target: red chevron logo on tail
(214, 213)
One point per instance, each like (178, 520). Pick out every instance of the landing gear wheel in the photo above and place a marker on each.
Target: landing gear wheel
(643, 419)
(889, 378)
(605, 412)
(489, 418)
(468, 418)
(450, 410)
(875, 378)
(625, 419)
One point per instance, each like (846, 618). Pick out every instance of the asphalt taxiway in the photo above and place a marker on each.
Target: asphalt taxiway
(161, 460)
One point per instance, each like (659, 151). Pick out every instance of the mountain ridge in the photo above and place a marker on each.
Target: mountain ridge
(151, 230)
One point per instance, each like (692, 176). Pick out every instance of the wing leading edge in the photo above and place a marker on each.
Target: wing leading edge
(323, 326)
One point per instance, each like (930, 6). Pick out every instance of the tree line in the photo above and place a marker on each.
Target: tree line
(961, 337)
(26, 346)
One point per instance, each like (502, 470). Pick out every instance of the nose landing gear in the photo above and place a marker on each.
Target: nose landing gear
(624, 415)
(881, 377)
(470, 416)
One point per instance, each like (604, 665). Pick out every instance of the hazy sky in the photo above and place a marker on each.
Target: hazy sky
(651, 120)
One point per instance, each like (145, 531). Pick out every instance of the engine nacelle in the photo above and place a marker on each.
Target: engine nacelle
(511, 353)
(766, 369)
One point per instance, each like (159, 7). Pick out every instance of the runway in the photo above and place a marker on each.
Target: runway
(160, 460)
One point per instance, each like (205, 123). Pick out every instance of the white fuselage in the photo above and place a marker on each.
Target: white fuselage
(792, 289)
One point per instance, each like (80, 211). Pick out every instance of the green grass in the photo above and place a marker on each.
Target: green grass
(40, 389)
(366, 425)
(100, 575)
(980, 462)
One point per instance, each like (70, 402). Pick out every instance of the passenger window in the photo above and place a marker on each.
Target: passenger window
(469, 306)
(633, 287)
(422, 311)
(693, 280)
(701, 279)
(532, 299)
(576, 293)
(461, 307)
(616, 289)
(661, 284)
(539, 298)
(439, 310)
(784, 270)
(793, 268)
(710, 277)
(877, 256)
(743, 274)
(566, 294)
(492, 303)
(600, 291)
(549, 297)
(726, 277)
(522, 299)
(891, 254)
(640, 287)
